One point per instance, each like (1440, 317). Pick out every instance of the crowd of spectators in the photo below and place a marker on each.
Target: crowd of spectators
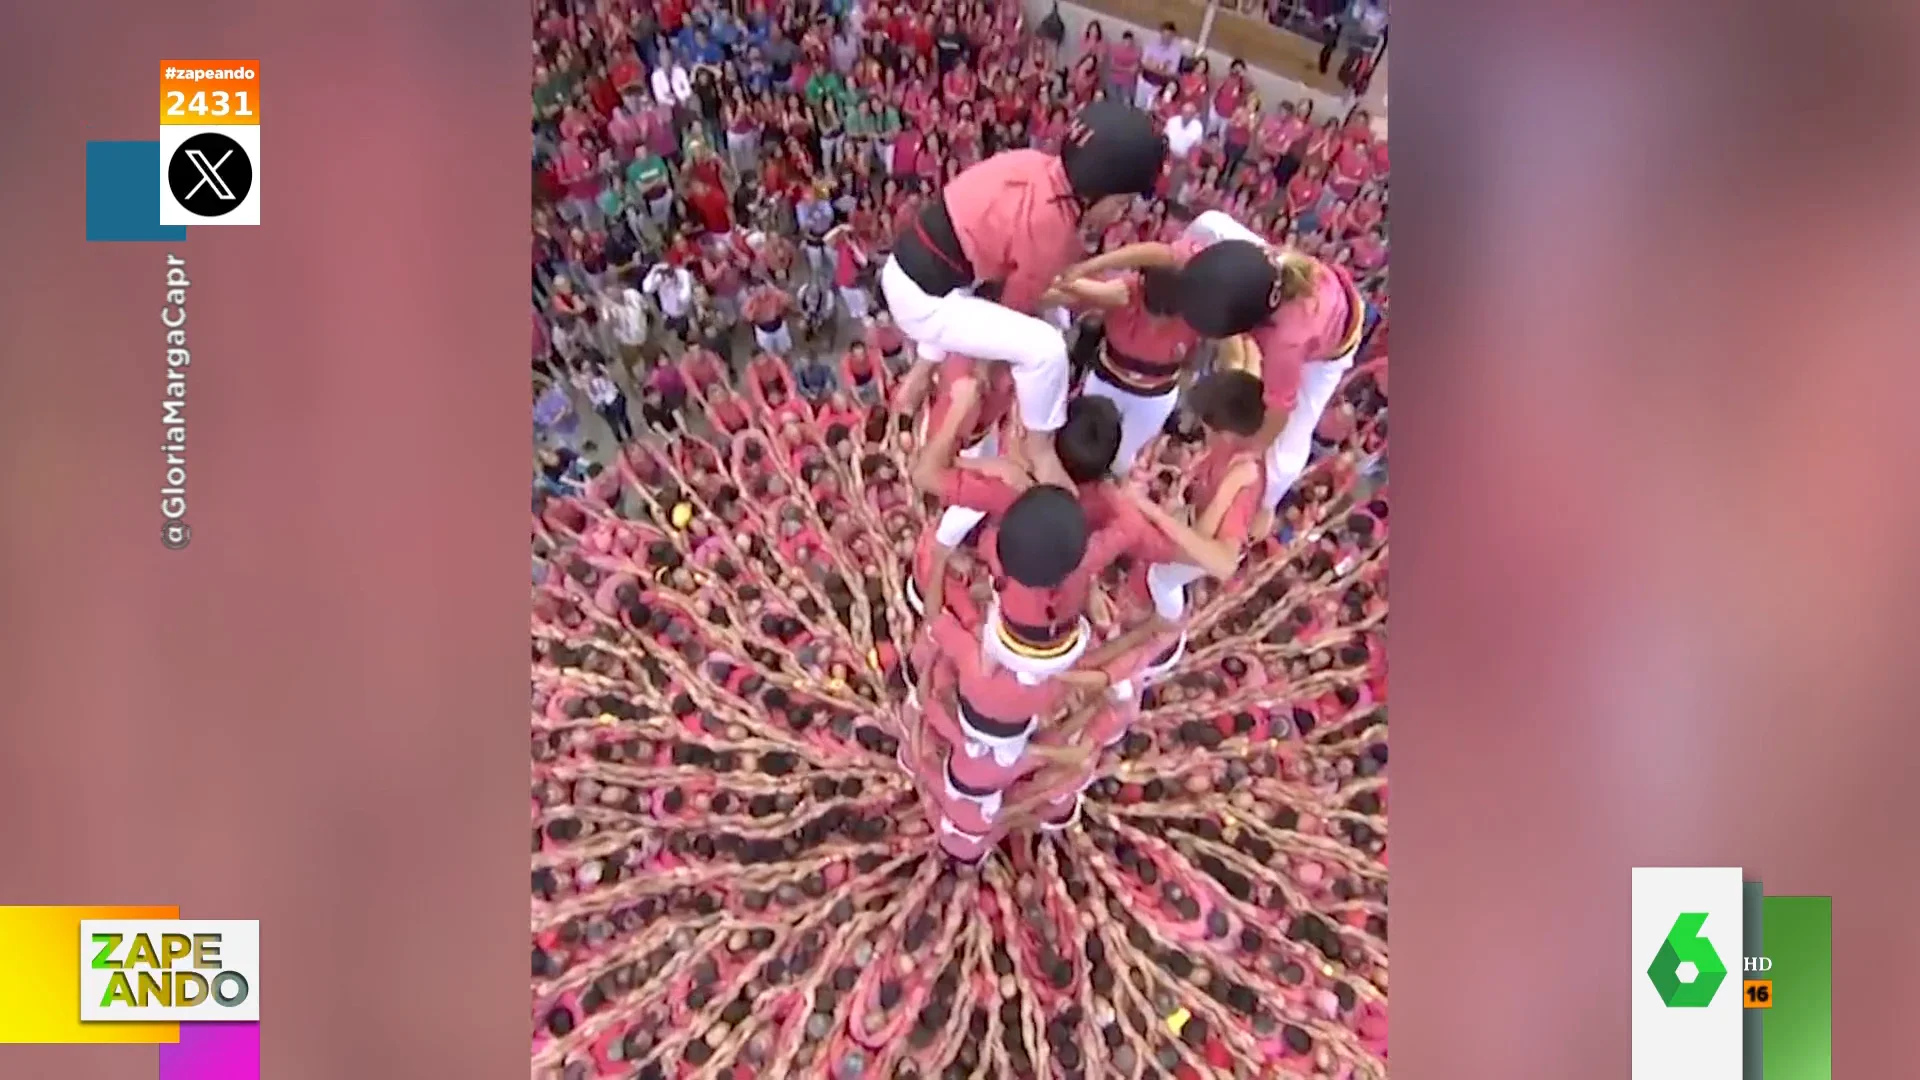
(732, 876)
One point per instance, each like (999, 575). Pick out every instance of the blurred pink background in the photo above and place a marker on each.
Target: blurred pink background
(1653, 603)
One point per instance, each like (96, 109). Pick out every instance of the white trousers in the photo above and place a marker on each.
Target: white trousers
(778, 342)
(1154, 672)
(1319, 381)
(856, 300)
(957, 521)
(1031, 671)
(1167, 584)
(1287, 457)
(964, 323)
(1141, 417)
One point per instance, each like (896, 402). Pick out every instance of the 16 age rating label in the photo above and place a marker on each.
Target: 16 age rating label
(209, 142)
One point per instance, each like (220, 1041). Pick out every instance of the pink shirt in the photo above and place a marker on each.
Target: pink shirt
(998, 693)
(1351, 168)
(574, 165)
(1124, 61)
(1227, 99)
(1142, 335)
(1278, 132)
(1368, 252)
(1303, 331)
(1017, 223)
(1210, 474)
(625, 130)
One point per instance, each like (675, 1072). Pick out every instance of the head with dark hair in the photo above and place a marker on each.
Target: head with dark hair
(1089, 440)
(1232, 286)
(1160, 290)
(1229, 401)
(1042, 537)
(1112, 153)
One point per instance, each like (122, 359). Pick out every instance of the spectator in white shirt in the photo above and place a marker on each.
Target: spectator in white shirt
(672, 288)
(1159, 65)
(611, 404)
(1371, 17)
(1185, 130)
(623, 312)
(671, 84)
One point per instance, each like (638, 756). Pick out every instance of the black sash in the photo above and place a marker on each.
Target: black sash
(929, 251)
(988, 725)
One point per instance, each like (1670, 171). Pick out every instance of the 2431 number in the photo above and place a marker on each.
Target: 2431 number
(218, 103)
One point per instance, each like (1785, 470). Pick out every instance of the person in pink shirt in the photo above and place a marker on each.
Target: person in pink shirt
(1010, 225)
(1361, 216)
(886, 340)
(861, 375)
(1196, 84)
(1351, 168)
(702, 368)
(959, 85)
(1142, 354)
(1303, 197)
(726, 409)
(1226, 99)
(1093, 44)
(1303, 318)
(624, 130)
(576, 173)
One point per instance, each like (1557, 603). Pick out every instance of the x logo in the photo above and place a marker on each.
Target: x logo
(209, 176)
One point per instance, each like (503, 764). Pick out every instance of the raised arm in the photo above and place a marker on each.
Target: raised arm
(1130, 257)
(937, 455)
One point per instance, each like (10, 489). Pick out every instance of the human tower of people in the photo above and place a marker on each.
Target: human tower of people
(988, 731)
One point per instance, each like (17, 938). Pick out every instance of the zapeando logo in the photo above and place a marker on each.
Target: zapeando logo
(1685, 946)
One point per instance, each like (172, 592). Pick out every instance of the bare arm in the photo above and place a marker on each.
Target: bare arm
(1094, 293)
(1216, 557)
(1130, 639)
(1131, 257)
(913, 389)
(934, 596)
(937, 455)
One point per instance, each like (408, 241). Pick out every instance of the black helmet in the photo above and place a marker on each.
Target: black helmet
(1229, 288)
(1042, 537)
(1112, 149)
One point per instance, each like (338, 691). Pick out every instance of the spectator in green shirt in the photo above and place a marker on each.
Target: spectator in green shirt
(860, 128)
(551, 89)
(826, 83)
(833, 130)
(886, 128)
(652, 184)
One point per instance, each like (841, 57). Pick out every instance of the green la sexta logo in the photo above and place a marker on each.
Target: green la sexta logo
(1684, 945)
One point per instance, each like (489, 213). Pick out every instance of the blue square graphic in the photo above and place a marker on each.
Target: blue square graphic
(123, 193)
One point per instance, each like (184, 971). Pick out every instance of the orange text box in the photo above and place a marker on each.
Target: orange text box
(1757, 993)
(204, 93)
